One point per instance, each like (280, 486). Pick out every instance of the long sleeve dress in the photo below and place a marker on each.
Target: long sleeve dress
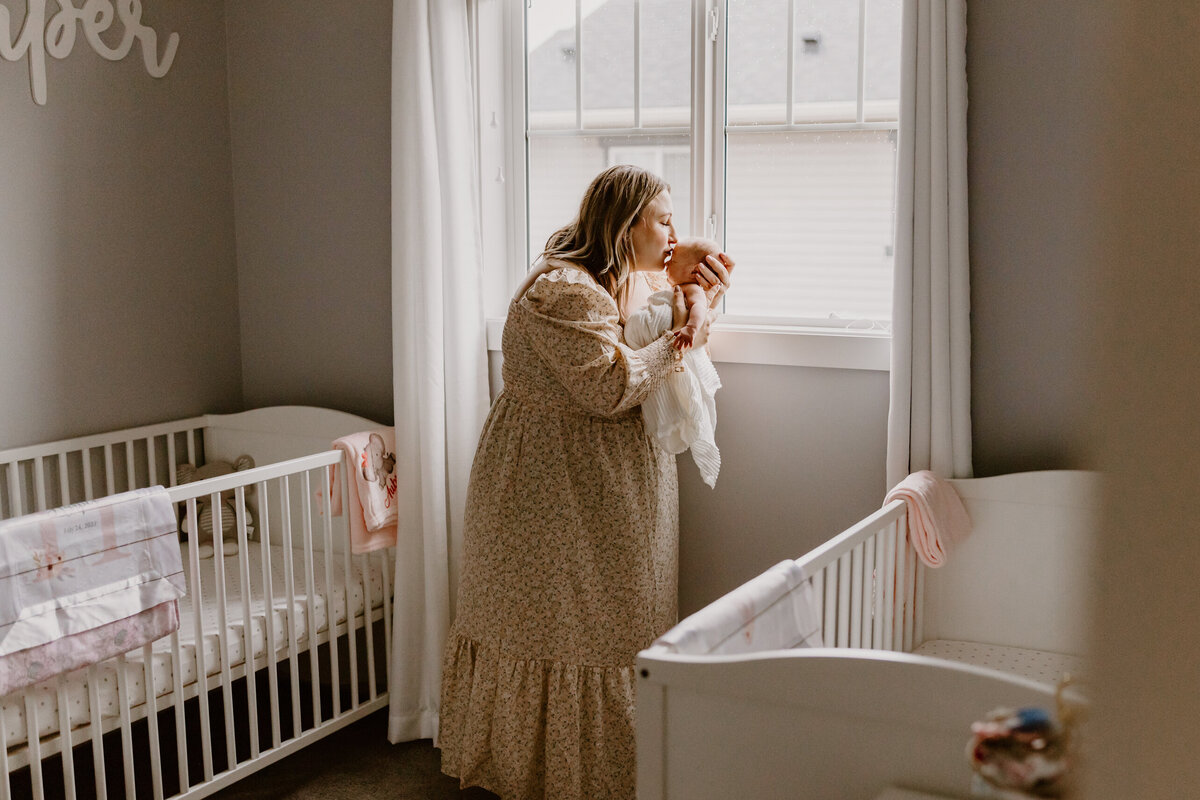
(570, 555)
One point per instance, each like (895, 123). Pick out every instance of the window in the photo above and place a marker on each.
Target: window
(774, 122)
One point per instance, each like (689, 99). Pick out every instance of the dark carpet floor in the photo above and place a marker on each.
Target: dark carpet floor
(356, 763)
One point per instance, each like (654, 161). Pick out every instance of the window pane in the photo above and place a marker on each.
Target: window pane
(561, 167)
(666, 63)
(883, 60)
(550, 75)
(756, 79)
(608, 66)
(826, 66)
(809, 218)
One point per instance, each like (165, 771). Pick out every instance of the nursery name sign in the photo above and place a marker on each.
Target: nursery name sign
(37, 39)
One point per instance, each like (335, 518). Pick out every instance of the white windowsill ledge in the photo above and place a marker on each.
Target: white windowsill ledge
(782, 346)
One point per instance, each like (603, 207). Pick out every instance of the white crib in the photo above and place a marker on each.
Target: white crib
(279, 644)
(912, 657)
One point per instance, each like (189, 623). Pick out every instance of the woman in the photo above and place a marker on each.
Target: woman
(569, 563)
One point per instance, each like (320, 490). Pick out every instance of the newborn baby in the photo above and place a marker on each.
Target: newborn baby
(689, 252)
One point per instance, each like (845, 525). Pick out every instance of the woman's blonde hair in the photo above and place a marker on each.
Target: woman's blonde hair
(600, 238)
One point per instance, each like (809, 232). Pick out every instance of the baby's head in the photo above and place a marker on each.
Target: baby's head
(693, 250)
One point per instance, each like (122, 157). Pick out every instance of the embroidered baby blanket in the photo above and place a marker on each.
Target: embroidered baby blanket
(85, 582)
(371, 486)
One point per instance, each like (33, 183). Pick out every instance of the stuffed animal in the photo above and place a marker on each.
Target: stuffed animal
(186, 473)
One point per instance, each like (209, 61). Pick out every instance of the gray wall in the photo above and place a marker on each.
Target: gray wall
(1032, 225)
(310, 112)
(118, 285)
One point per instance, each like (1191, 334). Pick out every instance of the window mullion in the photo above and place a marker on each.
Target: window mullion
(862, 61)
(637, 63)
(791, 63)
(579, 64)
(708, 118)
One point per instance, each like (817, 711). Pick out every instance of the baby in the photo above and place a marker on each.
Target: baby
(689, 252)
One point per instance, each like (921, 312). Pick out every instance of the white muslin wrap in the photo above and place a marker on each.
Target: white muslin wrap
(682, 413)
(775, 611)
(84, 582)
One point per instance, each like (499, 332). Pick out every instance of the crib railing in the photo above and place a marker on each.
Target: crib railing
(869, 584)
(262, 693)
(38, 477)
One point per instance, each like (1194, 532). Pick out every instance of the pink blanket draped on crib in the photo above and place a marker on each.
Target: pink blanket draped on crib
(86, 582)
(371, 489)
(937, 520)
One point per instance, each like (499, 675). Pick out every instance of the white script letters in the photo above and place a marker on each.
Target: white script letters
(36, 39)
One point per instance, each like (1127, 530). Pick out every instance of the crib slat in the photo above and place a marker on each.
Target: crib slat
(34, 743)
(180, 720)
(387, 610)
(264, 541)
(110, 480)
(289, 578)
(368, 604)
(198, 625)
(64, 483)
(191, 446)
(352, 630)
(901, 589)
(13, 470)
(830, 604)
(223, 626)
(126, 734)
(130, 478)
(64, 737)
(239, 496)
(868, 593)
(919, 605)
(843, 631)
(856, 593)
(172, 464)
(818, 585)
(5, 791)
(330, 601)
(310, 591)
(152, 720)
(152, 461)
(877, 630)
(93, 680)
(89, 485)
(39, 483)
(889, 587)
(910, 570)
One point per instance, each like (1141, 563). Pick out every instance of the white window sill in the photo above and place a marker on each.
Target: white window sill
(782, 346)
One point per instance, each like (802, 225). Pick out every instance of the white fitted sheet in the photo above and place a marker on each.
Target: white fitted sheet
(1037, 665)
(45, 694)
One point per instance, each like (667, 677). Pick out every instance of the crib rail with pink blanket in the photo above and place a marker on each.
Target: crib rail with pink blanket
(283, 638)
(911, 655)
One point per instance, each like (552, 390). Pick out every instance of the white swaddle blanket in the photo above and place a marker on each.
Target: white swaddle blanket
(681, 413)
(84, 582)
(775, 611)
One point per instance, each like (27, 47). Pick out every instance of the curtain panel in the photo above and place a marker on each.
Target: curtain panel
(439, 344)
(929, 416)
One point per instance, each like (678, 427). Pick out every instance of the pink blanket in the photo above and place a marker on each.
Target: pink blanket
(937, 520)
(85, 582)
(371, 488)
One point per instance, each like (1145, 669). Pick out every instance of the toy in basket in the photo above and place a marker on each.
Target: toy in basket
(1025, 753)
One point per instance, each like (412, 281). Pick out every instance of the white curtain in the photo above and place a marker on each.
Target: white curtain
(439, 345)
(929, 419)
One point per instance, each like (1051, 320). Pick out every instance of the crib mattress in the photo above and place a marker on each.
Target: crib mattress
(325, 604)
(1036, 665)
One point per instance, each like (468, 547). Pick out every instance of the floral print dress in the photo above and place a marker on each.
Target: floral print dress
(569, 564)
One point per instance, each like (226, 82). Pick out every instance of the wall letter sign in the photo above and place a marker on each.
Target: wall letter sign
(36, 39)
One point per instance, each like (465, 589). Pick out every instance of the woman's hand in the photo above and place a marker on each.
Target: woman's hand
(714, 272)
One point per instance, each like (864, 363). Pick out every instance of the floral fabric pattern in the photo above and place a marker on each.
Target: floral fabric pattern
(570, 555)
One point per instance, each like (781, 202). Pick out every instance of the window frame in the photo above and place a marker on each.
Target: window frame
(502, 114)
